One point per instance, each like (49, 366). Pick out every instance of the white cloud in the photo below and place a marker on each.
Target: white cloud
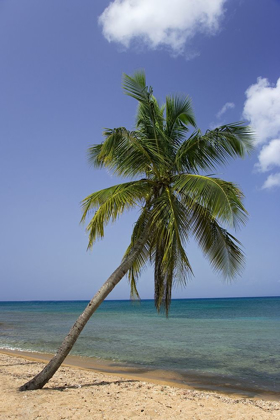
(228, 105)
(272, 181)
(262, 109)
(160, 22)
(269, 156)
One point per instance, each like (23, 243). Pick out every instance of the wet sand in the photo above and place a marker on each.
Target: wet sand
(87, 393)
(163, 377)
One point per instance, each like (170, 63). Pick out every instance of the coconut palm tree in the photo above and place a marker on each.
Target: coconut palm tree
(166, 166)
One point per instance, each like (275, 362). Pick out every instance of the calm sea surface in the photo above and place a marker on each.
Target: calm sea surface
(230, 340)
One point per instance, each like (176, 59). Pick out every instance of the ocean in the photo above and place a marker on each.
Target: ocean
(232, 343)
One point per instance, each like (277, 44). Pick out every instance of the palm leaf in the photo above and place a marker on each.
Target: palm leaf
(214, 148)
(127, 153)
(221, 198)
(135, 86)
(110, 203)
(170, 232)
(140, 261)
(218, 245)
(179, 115)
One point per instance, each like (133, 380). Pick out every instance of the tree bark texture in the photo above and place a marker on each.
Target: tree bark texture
(49, 370)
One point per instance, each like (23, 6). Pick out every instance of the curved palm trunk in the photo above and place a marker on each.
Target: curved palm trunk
(49, 370)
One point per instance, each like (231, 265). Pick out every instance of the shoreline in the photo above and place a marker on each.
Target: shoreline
(78, 393)
(198, 383)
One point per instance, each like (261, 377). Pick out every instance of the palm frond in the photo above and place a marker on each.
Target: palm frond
(110, 203)
(95, 156)
(170, 233)
(218, 245)
(179, 115)
(127, 153)
(135, 86)
(140, 261)
(163, 281)
(150, 117)
(214, 148)
(221, 198)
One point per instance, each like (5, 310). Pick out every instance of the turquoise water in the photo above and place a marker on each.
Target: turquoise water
(231, 340)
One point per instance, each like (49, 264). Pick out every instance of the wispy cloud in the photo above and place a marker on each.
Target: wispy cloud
(262, 109)
(191, 55)
(272, 181)
(225, 108)
(157, 23)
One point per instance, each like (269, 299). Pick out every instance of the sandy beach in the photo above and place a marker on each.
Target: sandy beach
(76, 393)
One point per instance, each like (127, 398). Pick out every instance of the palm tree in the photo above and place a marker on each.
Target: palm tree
(162, 162)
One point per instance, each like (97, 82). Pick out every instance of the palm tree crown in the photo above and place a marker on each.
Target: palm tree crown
(162, 160)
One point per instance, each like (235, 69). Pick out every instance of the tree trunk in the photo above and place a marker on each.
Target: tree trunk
(49, 370)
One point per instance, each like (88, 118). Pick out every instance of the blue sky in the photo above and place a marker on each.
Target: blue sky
(60, 74)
